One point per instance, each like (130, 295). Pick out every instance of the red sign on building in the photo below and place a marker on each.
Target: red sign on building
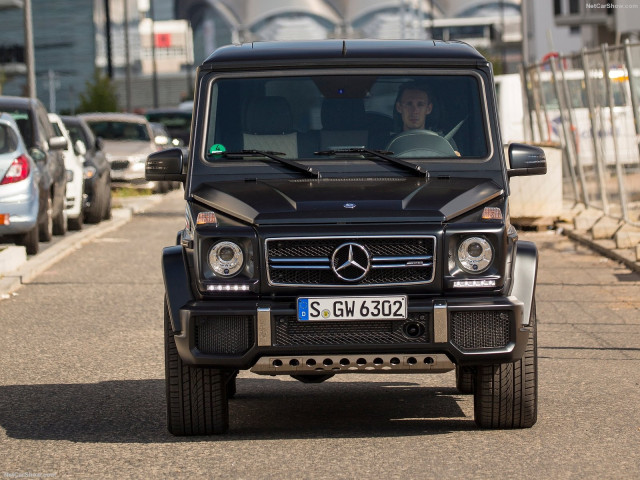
(163, 40)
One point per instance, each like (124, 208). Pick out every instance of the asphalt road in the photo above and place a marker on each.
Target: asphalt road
(82, 385)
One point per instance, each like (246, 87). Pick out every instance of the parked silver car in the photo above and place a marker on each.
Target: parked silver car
(19, 188)
(127, 139)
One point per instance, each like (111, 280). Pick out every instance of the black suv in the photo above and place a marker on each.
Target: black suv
(329, 231)
(46, 149)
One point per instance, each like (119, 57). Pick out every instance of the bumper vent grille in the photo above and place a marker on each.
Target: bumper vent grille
(119, 164)
(224, 335)
(289, 331)
(314, 261)
(480, 329)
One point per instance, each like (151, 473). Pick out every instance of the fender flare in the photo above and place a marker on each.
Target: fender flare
(176, 284)
(525, 272)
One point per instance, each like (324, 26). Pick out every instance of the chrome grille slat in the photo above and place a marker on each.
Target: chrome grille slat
(307, 261)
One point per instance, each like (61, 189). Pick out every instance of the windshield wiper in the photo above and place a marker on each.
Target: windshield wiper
(384, 155)
(292, 164)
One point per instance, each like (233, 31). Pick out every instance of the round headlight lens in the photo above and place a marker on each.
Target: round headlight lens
(475, 254)
(226, 258)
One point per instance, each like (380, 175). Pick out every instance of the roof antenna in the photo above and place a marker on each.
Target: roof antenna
(344, 48)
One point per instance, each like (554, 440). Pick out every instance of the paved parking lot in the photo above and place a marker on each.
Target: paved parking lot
(82, 384)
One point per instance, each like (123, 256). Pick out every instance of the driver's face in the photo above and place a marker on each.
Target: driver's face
(414, 106)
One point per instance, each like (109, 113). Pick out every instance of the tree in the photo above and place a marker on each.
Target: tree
(99, 95)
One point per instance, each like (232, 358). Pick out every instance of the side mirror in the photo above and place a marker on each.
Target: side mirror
(99, 143)
(37, 154)
(58, 143)
(79, 148)
(165, 165)
(526, 160)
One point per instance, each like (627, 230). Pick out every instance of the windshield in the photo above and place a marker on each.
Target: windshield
(116, 130)
(421, 117)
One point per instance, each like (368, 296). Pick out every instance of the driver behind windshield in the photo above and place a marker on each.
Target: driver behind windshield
(414, 105)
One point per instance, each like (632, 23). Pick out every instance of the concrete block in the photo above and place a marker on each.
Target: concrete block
(605, 227)
(11, 257)
(587, 219)
(627, 237)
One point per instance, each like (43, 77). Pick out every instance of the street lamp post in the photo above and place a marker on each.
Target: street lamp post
(29, 51)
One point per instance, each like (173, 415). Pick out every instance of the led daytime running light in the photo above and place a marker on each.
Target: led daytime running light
(473, 283)
(228, 288)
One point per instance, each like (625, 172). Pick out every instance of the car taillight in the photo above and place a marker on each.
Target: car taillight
(18, 170)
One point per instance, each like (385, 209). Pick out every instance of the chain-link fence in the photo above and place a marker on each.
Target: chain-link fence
(589, 103)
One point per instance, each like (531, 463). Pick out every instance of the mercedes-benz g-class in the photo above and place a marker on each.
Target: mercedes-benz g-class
(346, 212)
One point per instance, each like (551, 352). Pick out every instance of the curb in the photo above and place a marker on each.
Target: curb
(596, 246)
(27, 269)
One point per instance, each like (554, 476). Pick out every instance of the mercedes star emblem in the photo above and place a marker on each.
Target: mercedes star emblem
(350, 262)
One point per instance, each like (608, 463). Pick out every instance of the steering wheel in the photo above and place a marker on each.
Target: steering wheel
(420, 143)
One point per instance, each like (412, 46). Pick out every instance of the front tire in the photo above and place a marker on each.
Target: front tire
(506, 395)
(197, 402)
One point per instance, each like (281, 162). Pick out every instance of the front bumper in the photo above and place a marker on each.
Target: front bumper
(266, 335)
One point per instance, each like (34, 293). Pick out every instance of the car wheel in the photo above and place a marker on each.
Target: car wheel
(45, 226)
(464, 379)
(107, 209)
(95, 211)
(60, 222)
(76, 223)
(197, 402)
(30, 240)
(506, 395)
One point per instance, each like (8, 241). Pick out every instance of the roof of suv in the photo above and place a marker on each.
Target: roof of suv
(424, 52)
(113, 116)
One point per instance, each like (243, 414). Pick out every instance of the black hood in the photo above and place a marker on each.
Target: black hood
(352, 200)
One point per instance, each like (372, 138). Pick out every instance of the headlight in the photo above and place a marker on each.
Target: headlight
(226, 258)
(89, 172)
(475, 254)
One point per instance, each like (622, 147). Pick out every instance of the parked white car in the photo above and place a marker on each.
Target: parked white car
(73, 163)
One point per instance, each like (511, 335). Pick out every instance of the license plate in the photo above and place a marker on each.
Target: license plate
(352, 308)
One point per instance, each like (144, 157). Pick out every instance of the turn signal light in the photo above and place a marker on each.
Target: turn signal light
(207, 218)
(18, 171)
(491, 213)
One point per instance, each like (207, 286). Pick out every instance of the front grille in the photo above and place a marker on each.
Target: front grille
(317, 261)
(224, 334)
(119, 164)
(289, 331)
(480, 329)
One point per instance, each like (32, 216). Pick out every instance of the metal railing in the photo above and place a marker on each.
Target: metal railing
(589, 103)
